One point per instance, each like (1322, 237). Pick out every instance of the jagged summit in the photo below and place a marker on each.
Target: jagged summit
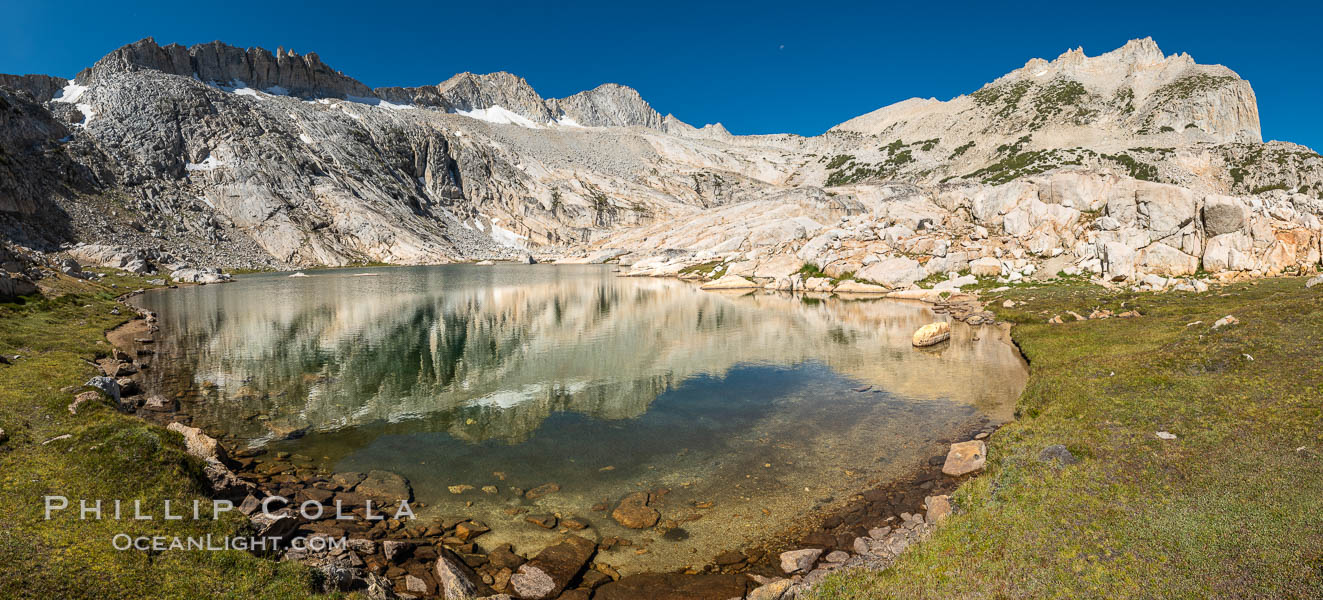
(607, 105)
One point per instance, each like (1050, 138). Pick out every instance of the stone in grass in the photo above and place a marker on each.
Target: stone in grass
(799, 561)
(965, 457)
(1225, 321)
(81, 399)
(108, 385)
(1057, 453)
(939, 508)
(1163, 435)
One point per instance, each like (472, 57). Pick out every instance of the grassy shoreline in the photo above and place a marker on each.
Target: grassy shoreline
(1233, 507)
(107, 455)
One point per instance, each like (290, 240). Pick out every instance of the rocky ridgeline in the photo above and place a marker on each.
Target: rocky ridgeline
(608, 105)
(223, 156)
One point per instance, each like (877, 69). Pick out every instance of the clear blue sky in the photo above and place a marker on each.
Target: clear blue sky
(760, 67)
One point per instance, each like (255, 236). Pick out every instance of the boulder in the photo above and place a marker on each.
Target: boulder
(939, 508)
(965, 457)
(548, 573)
(396, 549)
(856, 287)
(199, 444)
(278, 524)
(932, 334)
(108, 385)
(1163, 209)
(773, 590)
(894, 272)
(1162, 259)
(799, 561)
(13, 286)
(729, 282)
(1118, 261)
(1229, 252)
(458, 581)
(223, 482)
(985, 267)
(1224, 214)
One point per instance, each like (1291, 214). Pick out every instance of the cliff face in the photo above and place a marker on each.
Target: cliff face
(214, 62)
(35, 162)
(242, 157)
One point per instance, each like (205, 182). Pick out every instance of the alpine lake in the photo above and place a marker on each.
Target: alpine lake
(752, 409)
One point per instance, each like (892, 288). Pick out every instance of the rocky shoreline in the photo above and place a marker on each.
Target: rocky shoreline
(443, 557)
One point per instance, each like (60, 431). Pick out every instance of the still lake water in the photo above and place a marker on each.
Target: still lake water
(518, 375)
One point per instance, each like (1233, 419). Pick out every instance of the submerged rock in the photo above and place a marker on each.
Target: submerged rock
(634, 512)
(675, 585)
(385, 488)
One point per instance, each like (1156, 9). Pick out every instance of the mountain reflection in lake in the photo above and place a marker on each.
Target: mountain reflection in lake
(452, 375)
